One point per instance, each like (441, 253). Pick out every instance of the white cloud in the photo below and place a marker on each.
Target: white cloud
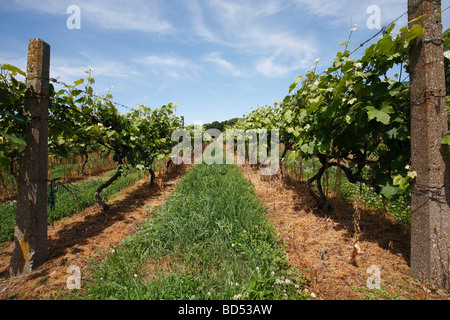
(199, 27)
(244, 11)
(139, 15)
(248, 28)
(168, 66)
(347, 12)
(224, 65)
(165, 61)
(69, 70)
(268, 67)
(252, 29)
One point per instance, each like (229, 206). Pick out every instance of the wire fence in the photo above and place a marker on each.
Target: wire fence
(384, 28)
(381, 31)
(117, 104)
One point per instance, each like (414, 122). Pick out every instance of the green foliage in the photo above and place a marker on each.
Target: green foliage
(153, 130)
(81, 122)
(13, 116)
(352, 116)
(221, 126)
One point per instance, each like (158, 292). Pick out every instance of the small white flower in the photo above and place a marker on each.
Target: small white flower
(233, 245)
(272, 273)
(447, 54)
(279, 281)
(287, 281)
(313, 295)
(412, 174)
(352, 101)
(317, 60)
(135, 275)
(408, 167)
(358, 65)
(237, 297)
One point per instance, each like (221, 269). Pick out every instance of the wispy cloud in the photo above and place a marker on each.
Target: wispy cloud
(224, 65)
(248, 28)
(69, 70)
(165, 61)
(199, 27)
(139, 15)
(345, 12)
(168, 66)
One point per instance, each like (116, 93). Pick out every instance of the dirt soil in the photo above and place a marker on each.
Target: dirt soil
(333, 251)
(86, 237)
(321, 246)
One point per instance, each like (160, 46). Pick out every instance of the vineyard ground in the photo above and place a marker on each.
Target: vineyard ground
(319, 246)
(86, 236)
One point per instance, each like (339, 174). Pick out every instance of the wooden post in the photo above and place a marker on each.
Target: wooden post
(30, 236)
(430, 217)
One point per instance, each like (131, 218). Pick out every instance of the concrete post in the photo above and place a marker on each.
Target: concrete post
(430, 218)
(30, 236)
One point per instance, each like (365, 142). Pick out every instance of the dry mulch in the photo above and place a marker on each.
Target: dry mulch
(322, 246)
(86, 237)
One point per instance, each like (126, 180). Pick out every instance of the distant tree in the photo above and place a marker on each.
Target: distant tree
(221, 126)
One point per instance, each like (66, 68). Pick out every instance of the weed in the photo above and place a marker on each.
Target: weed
(211, 240)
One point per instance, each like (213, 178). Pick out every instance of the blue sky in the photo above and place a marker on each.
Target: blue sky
(215, 58)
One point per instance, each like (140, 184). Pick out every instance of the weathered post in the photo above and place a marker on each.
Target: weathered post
(30, 235)
(430, 218)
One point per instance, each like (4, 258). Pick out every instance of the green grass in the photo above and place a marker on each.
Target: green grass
(67, 204)
(210, 240)
(398, 207)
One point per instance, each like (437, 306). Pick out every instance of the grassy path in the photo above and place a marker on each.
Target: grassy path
(66, 204)
(86, 238)
(210, 240)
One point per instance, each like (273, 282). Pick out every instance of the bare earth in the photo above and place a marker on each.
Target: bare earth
(323, 248)
(84, 237)
(320, 246)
